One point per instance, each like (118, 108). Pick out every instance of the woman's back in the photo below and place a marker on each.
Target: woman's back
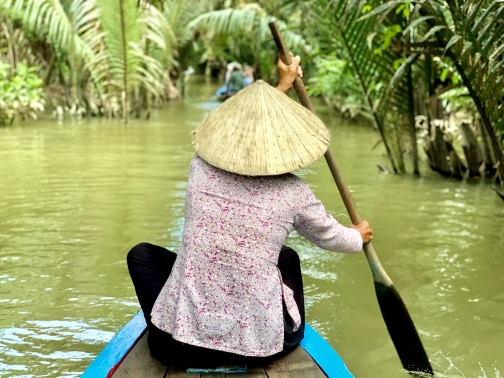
(239, 215)
(225, 292)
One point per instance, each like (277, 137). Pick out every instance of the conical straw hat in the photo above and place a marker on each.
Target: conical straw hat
(261, 132)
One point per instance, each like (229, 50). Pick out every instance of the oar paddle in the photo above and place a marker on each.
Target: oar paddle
(396, 316)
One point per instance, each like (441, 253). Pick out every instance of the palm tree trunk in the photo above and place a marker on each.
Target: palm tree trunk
(124, 94)
(411, 101)
(137, 101)
(432, 92)
(484, 116)
(50, 69)
(10, 46)
(124, 98)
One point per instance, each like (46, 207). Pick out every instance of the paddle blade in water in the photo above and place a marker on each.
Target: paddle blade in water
(402, 330)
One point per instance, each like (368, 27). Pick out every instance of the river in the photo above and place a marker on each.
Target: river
(76, 195)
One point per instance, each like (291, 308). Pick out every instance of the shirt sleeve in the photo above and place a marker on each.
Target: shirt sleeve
(314, 223)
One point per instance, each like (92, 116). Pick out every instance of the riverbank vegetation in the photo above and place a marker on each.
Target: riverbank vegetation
(426, 70)
(427, 73)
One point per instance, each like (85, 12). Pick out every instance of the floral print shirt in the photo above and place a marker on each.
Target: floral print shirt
(224, 291)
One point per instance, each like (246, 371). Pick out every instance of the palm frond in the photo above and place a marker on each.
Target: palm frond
(120, 21)
(49, 17)
(250, 19)
(228, 21)
(179, 13)
(159, 31)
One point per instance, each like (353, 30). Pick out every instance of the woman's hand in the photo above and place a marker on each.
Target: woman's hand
(289, 73)
(365, 231)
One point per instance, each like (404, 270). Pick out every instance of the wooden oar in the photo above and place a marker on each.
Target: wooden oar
(396, 316)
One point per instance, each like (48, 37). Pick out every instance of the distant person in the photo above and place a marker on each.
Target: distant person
(236, 81)
(229, 70)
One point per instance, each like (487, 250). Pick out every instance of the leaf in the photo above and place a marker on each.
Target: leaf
(467, 47)
(366, 8)
(397, 63)
(413, 24)
(453, 40)
(382, 8)
(432, 32)
(444, 74)
(369, 39)
(373, 70)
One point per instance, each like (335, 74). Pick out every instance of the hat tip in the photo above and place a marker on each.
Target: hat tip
(260, 82)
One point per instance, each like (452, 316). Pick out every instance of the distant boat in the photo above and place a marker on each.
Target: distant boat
(223, 94)
(127, 355)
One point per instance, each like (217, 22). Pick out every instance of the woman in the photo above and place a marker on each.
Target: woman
(234, 292)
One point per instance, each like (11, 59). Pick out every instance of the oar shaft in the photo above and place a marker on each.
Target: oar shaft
(376, 268)
(379, 273)
(346, 195)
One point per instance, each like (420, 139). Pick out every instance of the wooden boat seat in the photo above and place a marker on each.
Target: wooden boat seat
(139, 363)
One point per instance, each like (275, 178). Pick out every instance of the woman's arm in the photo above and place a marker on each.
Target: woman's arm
(314, 223)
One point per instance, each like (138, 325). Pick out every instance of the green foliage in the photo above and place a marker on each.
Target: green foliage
(368, 53)
(447, 71)
(388, 34)
(458, 100)
(405, 9)
(109, 56)
(468, 37)
(335, 81)
(473, 38)
(101, 47)
(355, 37)
(21, 93)
(246, 35)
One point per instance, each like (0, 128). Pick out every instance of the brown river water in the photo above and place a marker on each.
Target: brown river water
(76, 195)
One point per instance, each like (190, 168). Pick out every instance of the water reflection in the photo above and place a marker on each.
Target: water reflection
(76, 196)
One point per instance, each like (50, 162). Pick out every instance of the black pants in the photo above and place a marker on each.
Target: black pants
(150, 266)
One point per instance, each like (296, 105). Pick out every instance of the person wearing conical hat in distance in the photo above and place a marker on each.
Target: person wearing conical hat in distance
(234, 294)
(229, 70)
(236, 81)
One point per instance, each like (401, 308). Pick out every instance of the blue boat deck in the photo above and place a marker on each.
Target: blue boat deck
(127, 355)
(139, 363)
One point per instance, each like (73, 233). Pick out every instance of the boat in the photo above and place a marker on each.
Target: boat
(223, 94)
(127, 355)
